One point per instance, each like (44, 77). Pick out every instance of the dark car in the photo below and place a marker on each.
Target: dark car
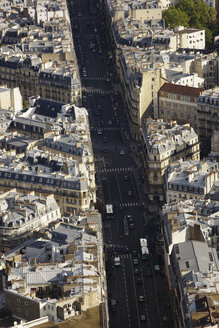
(135, 254)
(139, 281)
(136, 272)
(148, 272)
(118, 248)
(126, 249)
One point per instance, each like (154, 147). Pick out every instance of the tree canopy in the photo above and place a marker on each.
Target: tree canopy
(193, 13)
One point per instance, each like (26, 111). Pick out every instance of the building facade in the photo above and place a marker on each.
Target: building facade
(179, 103)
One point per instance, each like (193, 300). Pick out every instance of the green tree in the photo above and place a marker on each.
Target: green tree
(25, 104)
(193, 13)
(174, 17)
(208, 38)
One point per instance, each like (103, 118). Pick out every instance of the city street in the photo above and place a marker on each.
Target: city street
(139, 287)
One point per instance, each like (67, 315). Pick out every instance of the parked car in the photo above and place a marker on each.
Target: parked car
(114, 304)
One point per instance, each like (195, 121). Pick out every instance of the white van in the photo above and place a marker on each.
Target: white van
(117, 261)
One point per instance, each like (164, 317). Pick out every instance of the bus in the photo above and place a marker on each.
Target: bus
(145, 255)
(109, 211)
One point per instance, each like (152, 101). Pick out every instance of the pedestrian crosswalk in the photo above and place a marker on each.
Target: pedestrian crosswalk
(98, 91)
(125, 256)
(115, 169)
(131, 204)
(95, 78)
(110, 128)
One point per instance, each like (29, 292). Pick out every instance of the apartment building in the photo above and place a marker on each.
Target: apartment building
(206, 66)
(37, 54)
(193, 105)
(58, 82)
(48, 174)
(63, 289)
(57, 159)
(21, 215)
(191, 262)
(186, 79)
(208, 106)
(141, 79)
(180, 103)
(190, 38)
(190, 180)
(180, 37)
(188, 260)
(191, 219)
(162, 143)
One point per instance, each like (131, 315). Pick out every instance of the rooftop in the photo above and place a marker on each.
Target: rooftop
(162, 137)
(181, 90)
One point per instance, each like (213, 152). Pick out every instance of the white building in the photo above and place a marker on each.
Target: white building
(11, 99)
(190, 38)
(185, 79)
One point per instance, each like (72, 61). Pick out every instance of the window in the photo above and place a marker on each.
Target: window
(187, 264)
(27, 313)
(210, 256)
(26, 303)
(18, 310)
(18, 300)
